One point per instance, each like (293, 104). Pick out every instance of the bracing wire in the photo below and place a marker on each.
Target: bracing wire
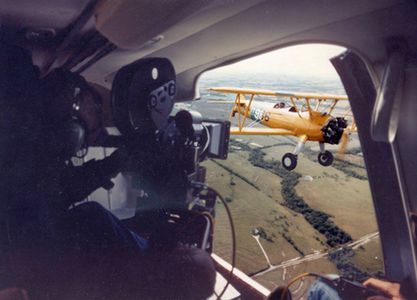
(232, 229)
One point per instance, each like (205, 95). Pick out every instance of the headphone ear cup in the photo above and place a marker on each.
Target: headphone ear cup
(74, 137)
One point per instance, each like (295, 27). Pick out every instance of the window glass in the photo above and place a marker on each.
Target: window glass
(312, 219)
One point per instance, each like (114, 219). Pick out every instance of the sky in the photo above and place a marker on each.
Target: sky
(310, 60)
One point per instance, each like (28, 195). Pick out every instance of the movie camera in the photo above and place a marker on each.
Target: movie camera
(165, 150)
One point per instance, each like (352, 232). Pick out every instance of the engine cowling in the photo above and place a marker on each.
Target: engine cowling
(333, 130)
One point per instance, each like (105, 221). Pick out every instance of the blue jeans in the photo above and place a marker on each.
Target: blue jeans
(82, 253)
(321, 291)
(93, 228)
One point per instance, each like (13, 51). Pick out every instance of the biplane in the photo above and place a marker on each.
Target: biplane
(307, 116)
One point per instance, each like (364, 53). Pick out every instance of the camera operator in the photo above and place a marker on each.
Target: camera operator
(165, 270)
(55, 251)
(83, 252)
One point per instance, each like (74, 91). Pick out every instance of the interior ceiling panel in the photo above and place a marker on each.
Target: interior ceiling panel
(216, 11)
(55, 14)
(198, 35)
(115, 19)
(234, 36)
(198, 18)
(258, 28)
(365, 33)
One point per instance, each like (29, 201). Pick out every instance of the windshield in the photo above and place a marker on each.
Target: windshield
(313, 218)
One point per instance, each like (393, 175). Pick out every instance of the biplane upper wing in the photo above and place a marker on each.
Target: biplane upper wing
(296, 95)
(260, 131)
(242, 91)
(318, 96)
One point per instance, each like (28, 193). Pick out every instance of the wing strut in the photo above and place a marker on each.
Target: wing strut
(241, 107)
(333, 106)
(247, 108)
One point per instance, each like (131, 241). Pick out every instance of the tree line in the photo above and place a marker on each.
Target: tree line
(318, 219)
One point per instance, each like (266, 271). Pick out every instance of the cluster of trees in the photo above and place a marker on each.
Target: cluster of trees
(341, 165)
(262, 234)
(228, 199)
(319, 220)
(346, 167)
(341, 258)
(256, 158)
(290, 240)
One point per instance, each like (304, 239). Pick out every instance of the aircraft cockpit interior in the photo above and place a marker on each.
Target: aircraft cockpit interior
(133, 165)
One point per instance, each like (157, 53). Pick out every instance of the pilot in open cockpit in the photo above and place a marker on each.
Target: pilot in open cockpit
(279, 105)
(57, 247)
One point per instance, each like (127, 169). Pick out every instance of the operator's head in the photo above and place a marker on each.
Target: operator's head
(73, 112)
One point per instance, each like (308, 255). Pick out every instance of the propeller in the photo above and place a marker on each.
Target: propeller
(345, 139)
(343, 144)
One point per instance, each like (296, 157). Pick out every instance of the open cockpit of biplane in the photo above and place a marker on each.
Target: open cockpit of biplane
(257, 147)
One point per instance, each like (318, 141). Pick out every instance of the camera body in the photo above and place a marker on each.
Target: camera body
(165, 150)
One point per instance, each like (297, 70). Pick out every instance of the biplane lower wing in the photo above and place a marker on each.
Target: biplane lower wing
(260, 131)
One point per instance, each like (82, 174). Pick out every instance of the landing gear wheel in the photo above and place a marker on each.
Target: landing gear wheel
(325, 158)
(289, 161)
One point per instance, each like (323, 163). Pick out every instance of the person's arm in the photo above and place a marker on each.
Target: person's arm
(82, 180)
(390, 289)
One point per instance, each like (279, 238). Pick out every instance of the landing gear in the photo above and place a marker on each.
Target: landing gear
(325, 158)
(289, 161)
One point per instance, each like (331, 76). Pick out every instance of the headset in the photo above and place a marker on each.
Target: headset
(74, 129)
(62, 93)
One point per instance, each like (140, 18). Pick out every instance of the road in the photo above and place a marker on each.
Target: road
(256, 237)
(314, 256)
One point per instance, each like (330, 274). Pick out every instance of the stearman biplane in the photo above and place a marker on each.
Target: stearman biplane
(307, 116)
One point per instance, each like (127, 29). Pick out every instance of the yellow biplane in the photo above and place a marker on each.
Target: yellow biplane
(310, 121)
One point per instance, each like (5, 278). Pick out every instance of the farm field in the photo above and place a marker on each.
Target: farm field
(256, 202)
(270, 232)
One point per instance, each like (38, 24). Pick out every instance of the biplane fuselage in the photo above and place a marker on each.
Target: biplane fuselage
(296, 123)
(310, 121)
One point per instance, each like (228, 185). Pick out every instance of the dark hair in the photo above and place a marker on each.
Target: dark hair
(67, 125)
(59, 90)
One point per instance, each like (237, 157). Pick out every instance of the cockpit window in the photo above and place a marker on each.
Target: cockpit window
(297, 204)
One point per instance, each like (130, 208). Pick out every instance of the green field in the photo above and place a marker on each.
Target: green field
(369, 257)
(255, 200)
(252, 209)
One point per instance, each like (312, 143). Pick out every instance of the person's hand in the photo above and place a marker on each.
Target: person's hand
(390, 289)
(117, 162)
